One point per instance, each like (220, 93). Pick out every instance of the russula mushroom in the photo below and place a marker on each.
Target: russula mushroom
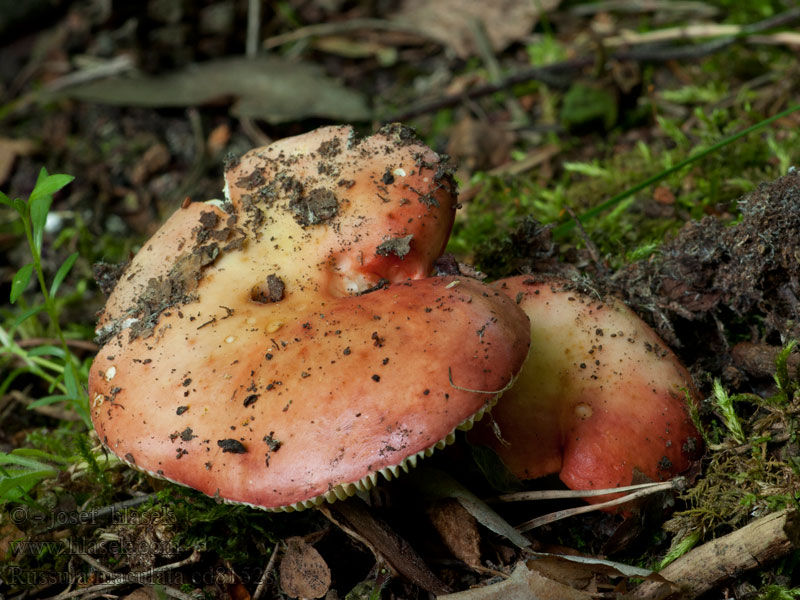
(600, 396)
(286, 347)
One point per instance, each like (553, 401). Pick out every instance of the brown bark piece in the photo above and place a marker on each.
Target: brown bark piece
(759, 359)
(356, 520)
(752, 546)
(458, 530)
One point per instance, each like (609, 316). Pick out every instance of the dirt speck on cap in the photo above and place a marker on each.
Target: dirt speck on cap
(315, 207)
(232, 446)
(106, 275)
(399, 246)
(271, 291)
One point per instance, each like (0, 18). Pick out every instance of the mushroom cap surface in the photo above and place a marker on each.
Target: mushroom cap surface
(286, 347)
(600, 396)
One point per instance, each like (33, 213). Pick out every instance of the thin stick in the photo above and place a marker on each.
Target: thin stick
(191, 559)
(90, 560)
(128, 578)
(262, 583)
(635, 7)
(109, 68)
(677, 483)
(79, 344)
(89, 590)
(329, 29)
(563, 514)
(253, 27)
(556, 74)
(590, 245)
(700, 50)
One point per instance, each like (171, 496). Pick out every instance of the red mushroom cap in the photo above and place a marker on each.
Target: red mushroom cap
(256, 352)
(599, 397)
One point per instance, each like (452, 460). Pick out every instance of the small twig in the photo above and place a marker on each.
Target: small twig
(79, 344)
(90, 560)
(590, 245)
(701, 50)
(329, 29)
(571, 512)
(669, 34)
(253, 27)
(262, 583)
(141, 577)
(677, 483)
(355, 519)
(484, 45)
(531, 160)
(191, 559)
(253, 131)
(176, 593)
(555, 74)
(640, 6)
(89, 590)
(49, 410)
(115, 66)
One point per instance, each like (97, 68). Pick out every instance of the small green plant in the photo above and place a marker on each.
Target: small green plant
(727, 413)
(65, 376)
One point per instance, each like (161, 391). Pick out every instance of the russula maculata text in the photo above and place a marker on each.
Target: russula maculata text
(600, 397)
(286, 346)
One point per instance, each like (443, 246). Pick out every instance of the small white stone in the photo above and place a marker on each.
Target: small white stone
(110, 373)
(230, 339)
(399, 172)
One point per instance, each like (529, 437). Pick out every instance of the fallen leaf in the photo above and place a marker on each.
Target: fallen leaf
(10, 149)
(521, 585)
(575, 575)
(578, 571)
(218, 139)
(663, 195)
(268, 88)
(9, 534)
(155, 158)
(303, 571)
(448, 21)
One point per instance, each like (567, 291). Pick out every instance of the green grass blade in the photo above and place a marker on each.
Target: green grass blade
(34, 310)
(62, 272)
(564, 228)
